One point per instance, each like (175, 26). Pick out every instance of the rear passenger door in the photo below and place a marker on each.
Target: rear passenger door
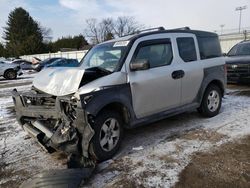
(192, 67)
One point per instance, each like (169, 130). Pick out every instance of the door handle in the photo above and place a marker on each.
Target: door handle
(178, 74)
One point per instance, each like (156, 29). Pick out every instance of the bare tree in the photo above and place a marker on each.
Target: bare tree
(93, 30)
(126, 25)
(109, 28)
(46, 33)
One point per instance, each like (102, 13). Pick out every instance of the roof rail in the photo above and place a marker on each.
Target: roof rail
(146, 30)
(157, 29)
(181, 28)
(151, 29)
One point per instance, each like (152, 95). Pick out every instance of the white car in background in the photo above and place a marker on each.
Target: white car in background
(10, 71)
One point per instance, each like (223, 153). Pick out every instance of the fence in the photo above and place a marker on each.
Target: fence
(69, 55)
(227, 41)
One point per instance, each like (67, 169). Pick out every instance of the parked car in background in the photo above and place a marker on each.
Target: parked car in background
(64, 63)
(10, 71)
(24, 64)
(35, 60)
(38, 67)
(238, 63)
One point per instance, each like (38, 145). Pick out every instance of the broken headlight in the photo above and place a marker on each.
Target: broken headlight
(87, 98)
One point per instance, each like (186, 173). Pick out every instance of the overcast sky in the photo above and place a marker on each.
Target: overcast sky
(67, 17)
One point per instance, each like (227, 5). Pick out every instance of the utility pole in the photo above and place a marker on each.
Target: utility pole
(222, 25)
(240, 9)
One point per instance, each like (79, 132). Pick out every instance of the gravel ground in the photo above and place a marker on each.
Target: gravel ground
(151, 156)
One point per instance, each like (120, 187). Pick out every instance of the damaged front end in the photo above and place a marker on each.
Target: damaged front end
(58, 123)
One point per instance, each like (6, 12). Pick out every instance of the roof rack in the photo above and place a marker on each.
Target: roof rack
(151, 29)
(156, 29)
(181, 28)
(146, 30)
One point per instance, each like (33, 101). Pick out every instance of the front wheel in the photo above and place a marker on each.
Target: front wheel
(108, 135)
(211, 102)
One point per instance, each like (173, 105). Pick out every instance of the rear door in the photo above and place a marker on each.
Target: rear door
(191, 65)
(154, 90)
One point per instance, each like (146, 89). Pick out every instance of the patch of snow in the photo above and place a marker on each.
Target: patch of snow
(233, 122)
(151, 156)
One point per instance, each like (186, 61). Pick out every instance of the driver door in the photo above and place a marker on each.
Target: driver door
(154, 90)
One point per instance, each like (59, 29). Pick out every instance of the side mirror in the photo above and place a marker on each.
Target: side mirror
(141, 64)
(224, 54)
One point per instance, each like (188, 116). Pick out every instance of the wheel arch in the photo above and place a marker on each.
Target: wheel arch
(206, 84)
(9, 69)
(219, 84)
(118, 107)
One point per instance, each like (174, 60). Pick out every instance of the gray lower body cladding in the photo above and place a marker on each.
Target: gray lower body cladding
(55, 121)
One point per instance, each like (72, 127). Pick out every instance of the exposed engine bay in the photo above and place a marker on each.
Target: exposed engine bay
(58, 122)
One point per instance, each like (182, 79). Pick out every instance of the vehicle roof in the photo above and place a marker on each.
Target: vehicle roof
(20, 60)
(244, 41)
(198, 33)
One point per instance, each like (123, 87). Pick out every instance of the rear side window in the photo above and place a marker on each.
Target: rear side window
(209, 47)
(187, 49)
(157, 53)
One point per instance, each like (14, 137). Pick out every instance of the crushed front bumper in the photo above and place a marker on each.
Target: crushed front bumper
(57, 122)
(25, 111)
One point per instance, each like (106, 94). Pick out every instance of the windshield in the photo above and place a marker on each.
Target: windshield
(240, 49)
(106, 56)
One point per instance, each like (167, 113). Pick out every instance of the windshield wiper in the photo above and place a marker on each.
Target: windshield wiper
(101, 69)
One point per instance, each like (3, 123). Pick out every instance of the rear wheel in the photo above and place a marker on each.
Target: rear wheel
(108, 135)
(211, 102)
(10, 74)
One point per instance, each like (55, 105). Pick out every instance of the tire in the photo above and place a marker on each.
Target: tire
(10, 74)
(211, 102)
(103, 145)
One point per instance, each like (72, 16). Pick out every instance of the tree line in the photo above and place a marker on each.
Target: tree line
(24, 36)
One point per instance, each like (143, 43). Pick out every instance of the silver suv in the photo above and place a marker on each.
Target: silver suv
(123, 83)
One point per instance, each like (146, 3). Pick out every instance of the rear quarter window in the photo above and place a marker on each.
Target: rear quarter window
(209, 47)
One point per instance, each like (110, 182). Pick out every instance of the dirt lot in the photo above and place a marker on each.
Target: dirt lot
(158, 155)
(226, 166)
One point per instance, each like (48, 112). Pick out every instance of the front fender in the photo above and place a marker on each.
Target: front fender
(112, 94)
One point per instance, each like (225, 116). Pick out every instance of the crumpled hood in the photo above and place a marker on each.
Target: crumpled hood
(59, 81)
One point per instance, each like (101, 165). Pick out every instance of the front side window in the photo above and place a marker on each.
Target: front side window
(187, 49)
(106, 56)
(158, 54)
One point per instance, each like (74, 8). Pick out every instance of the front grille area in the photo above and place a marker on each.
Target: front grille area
(39, 99)
(240, 69)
